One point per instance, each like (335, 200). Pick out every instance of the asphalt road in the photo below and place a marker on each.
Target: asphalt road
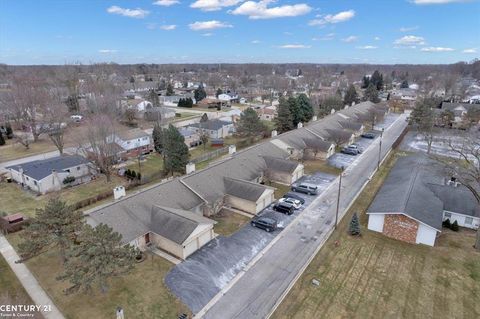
(257, 292)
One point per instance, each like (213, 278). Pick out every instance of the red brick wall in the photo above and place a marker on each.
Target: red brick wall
(400, 227)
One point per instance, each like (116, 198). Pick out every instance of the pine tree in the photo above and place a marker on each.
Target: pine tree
(454, 226)
(153, 97)
(294, 108)
(219, 92)
(176, 152)
(169, 90)
(283, 121)
(404, 84)
(351, 96)
(2, 140)
(371, 94)
(158, 138)
(354, 227)
(377, 80)
(249, 124)
(53, 226)
(99, 256)
(200, 93)
(305, 108)
(446, 223)
(365, 82)
(181, 102)
(9, 131)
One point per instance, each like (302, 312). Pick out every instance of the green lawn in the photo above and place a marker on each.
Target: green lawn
(13, 199)
(152, 165)
(142, 293)
(228, 222)
(373, 276)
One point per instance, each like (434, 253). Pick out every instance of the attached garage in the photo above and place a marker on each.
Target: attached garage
(247, 196)
(282, 171)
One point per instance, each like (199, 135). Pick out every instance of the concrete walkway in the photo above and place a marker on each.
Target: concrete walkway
(28, 281)
(162, 254)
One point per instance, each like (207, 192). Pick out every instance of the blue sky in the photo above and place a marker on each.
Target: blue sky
(198, 31)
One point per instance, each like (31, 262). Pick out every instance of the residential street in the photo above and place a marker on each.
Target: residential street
(256, 293)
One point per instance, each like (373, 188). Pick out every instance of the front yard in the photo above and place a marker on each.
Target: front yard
(373, 276)
(142, 293)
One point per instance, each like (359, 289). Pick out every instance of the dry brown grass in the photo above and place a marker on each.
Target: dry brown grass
(228, 222)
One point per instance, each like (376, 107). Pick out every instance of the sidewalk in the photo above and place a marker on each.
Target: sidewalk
(28, 281)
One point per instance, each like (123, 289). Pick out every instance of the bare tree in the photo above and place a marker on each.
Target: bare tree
(101, 147)
(465, 168)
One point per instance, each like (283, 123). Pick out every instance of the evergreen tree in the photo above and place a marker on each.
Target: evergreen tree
(176, 152)
(305, 108)
(365, 82)
(53, 226)
(249, 124)
(351, 96)
(9, 131)
(377, 80)
(446, 223)
(181, 102)
(99, 256)
(219, 91)
(200, 93)
(454, 226)
(2, 140)
(354, 227)
(189, 102)
(204, 118)
(284, 119)
(404, 84)
(158, 138)
(371, 94)
(169, 90)
(153, 97)
(294, 108)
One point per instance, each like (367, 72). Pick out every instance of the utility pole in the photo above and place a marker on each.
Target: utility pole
(380, 149)
(338, 197)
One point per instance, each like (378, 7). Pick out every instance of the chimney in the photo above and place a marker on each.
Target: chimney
(300, 125)
(332, 111)
(232, 149)
(314, 118)
(274, 133)
(119, 192)
(190, 168)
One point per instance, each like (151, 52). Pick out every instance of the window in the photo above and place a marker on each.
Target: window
(448, 215)
(468, 220)
(78, 168)
(35, 182)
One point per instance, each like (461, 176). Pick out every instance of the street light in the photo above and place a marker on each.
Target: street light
(338, 196)
(380, 148)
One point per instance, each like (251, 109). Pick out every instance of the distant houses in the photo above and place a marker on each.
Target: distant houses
(53, 174)
(215, 128)
(131, 143)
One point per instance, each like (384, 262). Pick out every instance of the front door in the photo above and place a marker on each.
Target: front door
(147, 238)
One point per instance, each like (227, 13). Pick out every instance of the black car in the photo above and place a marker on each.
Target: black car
(369, 135)
(349, 151)
(294, 196)
(285, 208)
(266, 223)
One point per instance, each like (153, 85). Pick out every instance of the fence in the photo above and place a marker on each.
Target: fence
(210, 155)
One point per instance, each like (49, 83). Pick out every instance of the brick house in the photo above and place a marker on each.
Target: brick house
(415, 199)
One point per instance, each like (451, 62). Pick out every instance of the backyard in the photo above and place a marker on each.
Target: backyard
(373, 276)
(142, 293)
(228, 222)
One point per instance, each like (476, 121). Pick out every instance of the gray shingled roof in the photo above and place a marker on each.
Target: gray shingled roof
(405, 192)
(42, 168)
(280, 164)
(210, 125)
(457, 199)
(318, 144)
(243, 189)
(353, 126)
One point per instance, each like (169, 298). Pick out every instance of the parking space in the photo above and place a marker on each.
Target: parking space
(198, 279)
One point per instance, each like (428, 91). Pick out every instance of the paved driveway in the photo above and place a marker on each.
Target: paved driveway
(198, 279)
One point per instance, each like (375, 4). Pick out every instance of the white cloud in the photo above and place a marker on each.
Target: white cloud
(256, 42)
(260, 10)
(295, 46)
(351, 38)
(437, 49)
(166, 3)
(168, 27)
(408, 29)
(213, 5)
(333, 18)
(472, 50)
(208, 34)
(326, 37)
(436, 1)
(107, 51)
(367, 47)
(410, 40)
(208, 25)
(376, 38)
(131, 13)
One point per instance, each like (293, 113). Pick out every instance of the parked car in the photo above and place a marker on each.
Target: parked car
(285, 208)
(266, 223)
(349, 151)
(369, 135)
(294, 196)
(292, 201)
(76, 118)
(305, 188)
(355, 147)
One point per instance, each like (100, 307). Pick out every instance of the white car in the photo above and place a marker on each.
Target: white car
(295, 202)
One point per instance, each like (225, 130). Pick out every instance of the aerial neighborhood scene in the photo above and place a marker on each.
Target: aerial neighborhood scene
(234, 159)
